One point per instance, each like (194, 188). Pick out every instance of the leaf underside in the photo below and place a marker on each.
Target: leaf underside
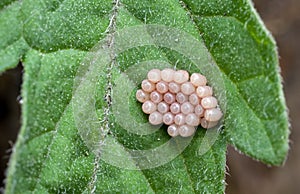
(53, 37)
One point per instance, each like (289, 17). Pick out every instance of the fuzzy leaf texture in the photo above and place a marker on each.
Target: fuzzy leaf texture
(52, 39)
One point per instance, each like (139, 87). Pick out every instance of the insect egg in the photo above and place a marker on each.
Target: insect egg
(169, 98)
(173, 130)
(156, 97)
(148, 86)
(168, 118)
(194, 99)
(192, 119)
(155, 118)
(179, 119)
(148, 107)
(175, 108)
(203, 91)
(186, 130)
(162, 87)
(174, 87)
(163, 107)
(209, 102)
(167, 75)
(187, 88)
(142, 96)
(173, 98)
(187, 108)
(213, 114)
(181, 97)
(199, 111)
(198, 80)
(154, 75)
(181, 76)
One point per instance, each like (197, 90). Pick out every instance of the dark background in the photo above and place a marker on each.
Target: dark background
(245, 176)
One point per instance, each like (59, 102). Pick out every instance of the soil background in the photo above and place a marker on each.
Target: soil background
(245, 176)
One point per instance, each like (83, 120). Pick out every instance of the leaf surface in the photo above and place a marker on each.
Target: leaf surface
(56, 39)
(12, 45)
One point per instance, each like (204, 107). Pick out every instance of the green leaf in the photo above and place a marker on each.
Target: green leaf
(257, 121)
(12, 45)
(82, 129)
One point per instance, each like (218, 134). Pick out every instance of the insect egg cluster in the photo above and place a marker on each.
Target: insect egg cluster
(178, 100)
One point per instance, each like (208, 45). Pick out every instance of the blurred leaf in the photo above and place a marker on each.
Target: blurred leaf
(12, 45)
